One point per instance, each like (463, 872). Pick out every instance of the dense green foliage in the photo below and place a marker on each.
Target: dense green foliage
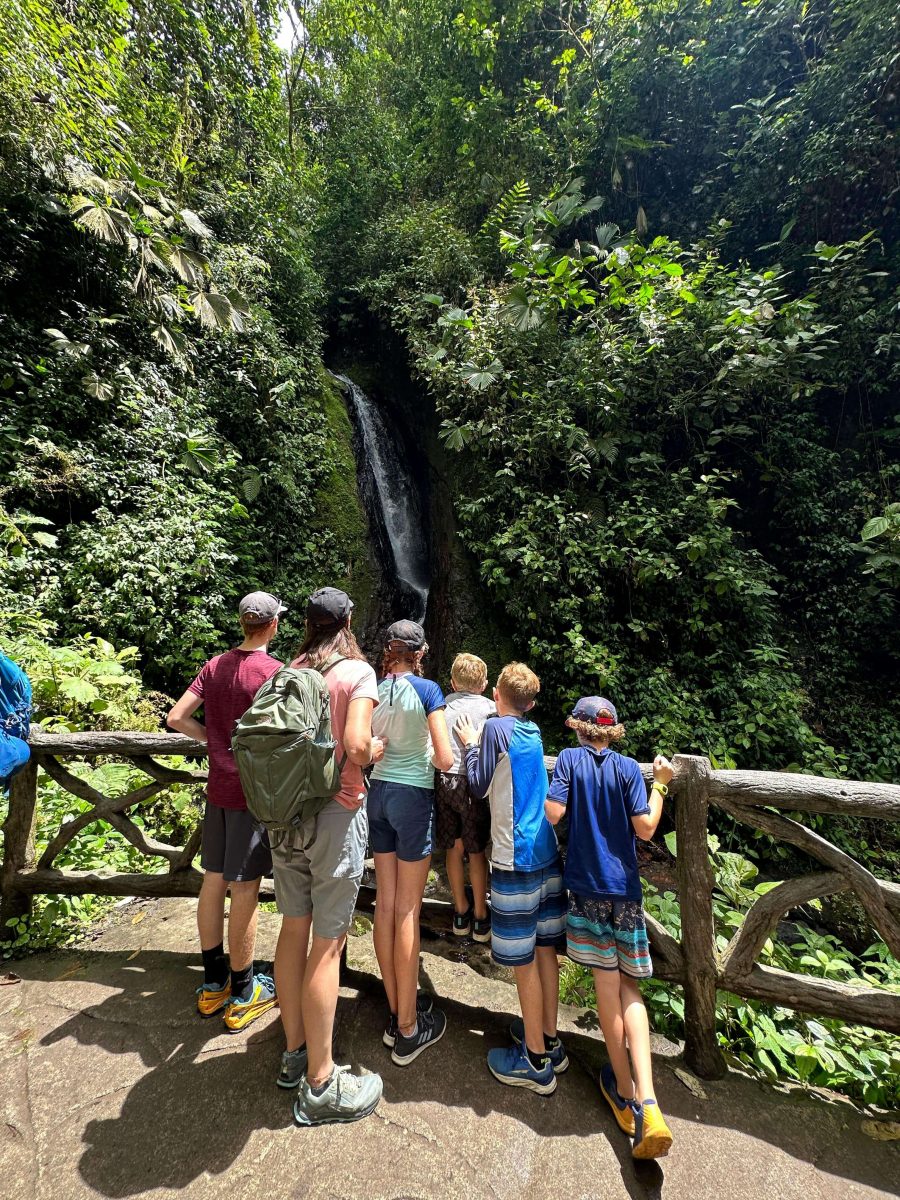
(166, 412)
(675, 403)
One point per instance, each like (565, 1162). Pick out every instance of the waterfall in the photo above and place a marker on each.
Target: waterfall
(397, 498)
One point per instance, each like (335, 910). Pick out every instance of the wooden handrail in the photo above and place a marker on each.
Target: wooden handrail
(695, 962)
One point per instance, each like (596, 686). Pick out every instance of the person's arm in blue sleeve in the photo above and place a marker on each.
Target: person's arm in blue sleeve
(481, 758)
(636, 801)
(558, 795)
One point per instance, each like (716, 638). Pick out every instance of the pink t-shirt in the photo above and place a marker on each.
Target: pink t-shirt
(228, 684)
(351, 679)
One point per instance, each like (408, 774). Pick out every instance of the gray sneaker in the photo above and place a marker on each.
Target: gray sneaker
(293, 1068)
(347, 1097)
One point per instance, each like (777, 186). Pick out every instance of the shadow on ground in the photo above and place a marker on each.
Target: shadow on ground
(202, 1094)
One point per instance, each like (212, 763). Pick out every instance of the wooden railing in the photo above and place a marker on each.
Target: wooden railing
(695, 962)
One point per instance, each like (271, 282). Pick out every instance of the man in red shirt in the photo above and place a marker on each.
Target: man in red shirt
(234, 851)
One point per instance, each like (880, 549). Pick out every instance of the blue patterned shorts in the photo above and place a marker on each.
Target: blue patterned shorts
(608, 934)
(528, 909)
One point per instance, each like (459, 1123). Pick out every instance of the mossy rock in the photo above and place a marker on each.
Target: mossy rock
(340, 509)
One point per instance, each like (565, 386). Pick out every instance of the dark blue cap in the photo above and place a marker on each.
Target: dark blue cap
(594, 710)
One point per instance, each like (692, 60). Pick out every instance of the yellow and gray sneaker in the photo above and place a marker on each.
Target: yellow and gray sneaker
(345, 1097)
(212, 997)
(652, 1136)
(241, 1013)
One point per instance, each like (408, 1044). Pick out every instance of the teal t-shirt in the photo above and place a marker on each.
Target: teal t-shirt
(401, 718)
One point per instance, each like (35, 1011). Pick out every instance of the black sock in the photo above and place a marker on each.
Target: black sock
(302, 1046)
(550, 1042)
(536, 1060)
(215, 965)
(242, 983)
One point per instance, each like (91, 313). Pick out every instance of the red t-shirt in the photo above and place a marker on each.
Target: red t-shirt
(227, 685)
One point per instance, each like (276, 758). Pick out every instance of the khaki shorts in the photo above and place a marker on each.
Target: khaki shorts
(318, 869)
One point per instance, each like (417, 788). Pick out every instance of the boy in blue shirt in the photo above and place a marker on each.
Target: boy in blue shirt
(604, 795)
(527, 897)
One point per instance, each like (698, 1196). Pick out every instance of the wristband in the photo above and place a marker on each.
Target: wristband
(656, 786)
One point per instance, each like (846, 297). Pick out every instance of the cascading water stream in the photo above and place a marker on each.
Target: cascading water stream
(398, 501)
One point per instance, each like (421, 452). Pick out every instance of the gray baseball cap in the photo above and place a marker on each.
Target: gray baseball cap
(259, 608)
(328, 607)
(410, 633)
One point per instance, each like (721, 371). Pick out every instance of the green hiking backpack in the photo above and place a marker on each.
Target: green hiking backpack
(284, 749)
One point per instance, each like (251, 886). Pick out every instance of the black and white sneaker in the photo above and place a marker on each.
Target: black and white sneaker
(462, 923)
(481, 928)
(430, 1028)
(424, 1004)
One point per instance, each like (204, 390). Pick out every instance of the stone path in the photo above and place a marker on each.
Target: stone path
(112, 1087)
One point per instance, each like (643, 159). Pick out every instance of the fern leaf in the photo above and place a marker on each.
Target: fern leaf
(510, 210)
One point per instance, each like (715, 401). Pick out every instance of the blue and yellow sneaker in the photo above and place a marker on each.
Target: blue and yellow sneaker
(559, 1060)
(212, 997)
(623, 1110)
(652, 1136)
(511, 1065)
(241, 1013)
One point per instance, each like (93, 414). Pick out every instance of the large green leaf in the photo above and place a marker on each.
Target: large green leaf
(104, 222)
(521, 312)
(215, 311)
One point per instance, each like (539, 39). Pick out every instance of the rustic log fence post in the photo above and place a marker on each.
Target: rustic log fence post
(698, 935)
(18, 847)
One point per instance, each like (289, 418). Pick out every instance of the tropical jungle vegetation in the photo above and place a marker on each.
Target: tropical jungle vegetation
(638, 262)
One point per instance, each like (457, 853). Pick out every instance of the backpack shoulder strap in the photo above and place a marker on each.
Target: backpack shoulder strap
(326, 666)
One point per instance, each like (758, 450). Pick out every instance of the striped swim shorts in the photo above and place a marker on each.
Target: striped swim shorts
(609, 934)
(528, 909)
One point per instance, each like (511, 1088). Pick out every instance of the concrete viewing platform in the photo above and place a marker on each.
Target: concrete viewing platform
(113, 1087)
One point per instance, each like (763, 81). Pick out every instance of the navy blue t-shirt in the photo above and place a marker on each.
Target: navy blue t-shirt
(602, 790)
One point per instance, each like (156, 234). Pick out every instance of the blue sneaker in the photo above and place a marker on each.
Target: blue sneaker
(241, 1013)
(511, 1065)
(559, 1060)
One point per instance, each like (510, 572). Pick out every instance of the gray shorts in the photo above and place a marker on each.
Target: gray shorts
(234, 845)
(318, 869)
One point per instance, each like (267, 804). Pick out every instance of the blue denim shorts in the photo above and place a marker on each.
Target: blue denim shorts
(400, 819)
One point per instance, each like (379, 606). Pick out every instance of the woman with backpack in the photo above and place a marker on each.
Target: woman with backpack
(410, 721)
(318, 870)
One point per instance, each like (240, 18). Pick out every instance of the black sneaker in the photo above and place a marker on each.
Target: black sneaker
(481, 928)
(462, 923)
(430, 1028)
(424, 1004)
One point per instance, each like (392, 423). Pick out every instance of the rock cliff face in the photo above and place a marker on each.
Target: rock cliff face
(459, 613)
(341, 510)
